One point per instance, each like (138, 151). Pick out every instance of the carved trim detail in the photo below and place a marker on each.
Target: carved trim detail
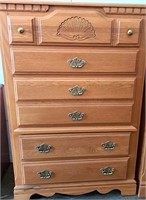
(125, 10)
(76, 28)
(125, 188)
(24, 7)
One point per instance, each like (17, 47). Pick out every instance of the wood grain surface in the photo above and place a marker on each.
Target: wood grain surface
(63, 46)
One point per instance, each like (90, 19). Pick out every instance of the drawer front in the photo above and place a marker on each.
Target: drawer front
(75, 26)
(129, 31)
(28, 115)
(21, 29)
(74, 171)
(74, 88)
(65, 146)
(73, 60)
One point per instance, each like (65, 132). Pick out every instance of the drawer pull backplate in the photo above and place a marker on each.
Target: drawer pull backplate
(45, 174)
(107, 171)
(43, 148)
(108, 145)
(77, 90)
(76, 62)
(77, 116)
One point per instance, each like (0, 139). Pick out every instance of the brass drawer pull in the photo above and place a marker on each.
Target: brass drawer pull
(45, 174)
(76, 62)
(43, 148)
(130, 32)
(108, 145)
(20, 30)
(77, 116)
(107, 171)
(77, 90)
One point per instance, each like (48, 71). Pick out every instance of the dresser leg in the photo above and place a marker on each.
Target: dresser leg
(142, 191)
(126, 191)
(22, 196)
(27, 193)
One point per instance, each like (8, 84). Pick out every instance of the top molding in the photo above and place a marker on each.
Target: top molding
(23, 7)
(38, 6)
(125, 10)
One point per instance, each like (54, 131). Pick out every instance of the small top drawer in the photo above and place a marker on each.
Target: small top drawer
(128, 31)
(21, 29)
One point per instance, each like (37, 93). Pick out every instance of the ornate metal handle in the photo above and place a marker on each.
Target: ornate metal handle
(20, 30)
(130, 32)
(76, 62)
(77, 90)
(108, 145)
(107, 171)
(43, 148)
(77, 116)
(45, 174)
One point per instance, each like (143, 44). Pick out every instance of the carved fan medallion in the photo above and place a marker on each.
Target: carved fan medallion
(76, 28)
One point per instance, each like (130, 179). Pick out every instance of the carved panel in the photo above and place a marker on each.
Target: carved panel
(76, 28)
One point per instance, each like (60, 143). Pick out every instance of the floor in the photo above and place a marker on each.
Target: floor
(8, 184)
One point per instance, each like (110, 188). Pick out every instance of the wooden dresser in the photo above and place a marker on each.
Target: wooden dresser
(74, 81)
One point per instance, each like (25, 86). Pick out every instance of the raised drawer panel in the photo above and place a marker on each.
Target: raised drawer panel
(74, 171)
(74, 88)
(56, 60)
(21, 29)
(70, 146)
(75, 26)
(73, 114)
(129, 31)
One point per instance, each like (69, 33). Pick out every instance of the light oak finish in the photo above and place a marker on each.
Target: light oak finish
(74, 171)
(52, 28)
(56, 88)
(76, 189)
(28, 115)
(27, 25)
(74, 80)
(124, 26)
(73, 147)
(55, 60)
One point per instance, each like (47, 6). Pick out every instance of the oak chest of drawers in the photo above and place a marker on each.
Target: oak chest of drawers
(74, 80)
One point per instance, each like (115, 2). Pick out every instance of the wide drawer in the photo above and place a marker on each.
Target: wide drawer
(73, 60)
(74, 114)
(69, 146)
(74, 171)
(74, 88)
